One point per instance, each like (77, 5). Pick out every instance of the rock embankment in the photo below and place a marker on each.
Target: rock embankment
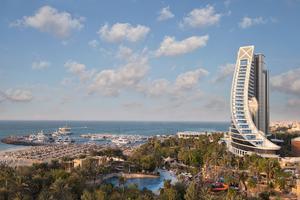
(19, 140)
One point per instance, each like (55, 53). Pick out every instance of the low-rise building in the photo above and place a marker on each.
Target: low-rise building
(191, 134)
(97, 160)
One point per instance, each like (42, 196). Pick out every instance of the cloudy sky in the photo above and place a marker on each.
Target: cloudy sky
(140, 59)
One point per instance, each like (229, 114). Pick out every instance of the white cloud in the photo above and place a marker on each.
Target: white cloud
(50, 20)
(157, 88)
(123, 31)
(124, 52)
(165, 13)
(248, 22)
(288, 82)
(170, 47)
(190, 79)
(17, 95)
(79, 70)
(110, 82)
(201, 17)
(184, 83)
(93, 43)
(39, 65)
(224, 72)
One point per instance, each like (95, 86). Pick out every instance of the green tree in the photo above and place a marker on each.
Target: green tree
(44, 195)
(148, 162)
(280, 179)
(60, 190)
(20, 187)
(192, 192)
(251, 182)
(122, 182)
(168, 192)
(231, 194)
(87, 195)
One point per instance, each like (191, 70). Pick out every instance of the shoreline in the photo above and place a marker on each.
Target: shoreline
(14, 149)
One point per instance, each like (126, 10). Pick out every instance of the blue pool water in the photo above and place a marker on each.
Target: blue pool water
(153, 184)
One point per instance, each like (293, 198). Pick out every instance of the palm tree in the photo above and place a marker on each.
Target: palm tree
(231, 194)
(20, 187)
(59, 190)
(204, 193)
(6, 181)
(87, 195)
(280, 179)
(242, 179)
(44, 195)
(192, 192)
(122, 182)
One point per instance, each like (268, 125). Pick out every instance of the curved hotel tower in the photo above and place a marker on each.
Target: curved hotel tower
(250, 106)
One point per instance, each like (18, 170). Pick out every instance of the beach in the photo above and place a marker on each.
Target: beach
(37, 154)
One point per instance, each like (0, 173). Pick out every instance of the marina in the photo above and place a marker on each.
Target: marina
(119, 140)
(18, 129)
(61, 136)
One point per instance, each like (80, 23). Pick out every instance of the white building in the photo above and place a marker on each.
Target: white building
(190, 134)
(250, 106)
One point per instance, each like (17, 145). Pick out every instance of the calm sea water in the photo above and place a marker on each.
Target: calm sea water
(8, 128)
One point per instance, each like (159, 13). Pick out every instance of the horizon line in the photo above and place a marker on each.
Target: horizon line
(89, 120)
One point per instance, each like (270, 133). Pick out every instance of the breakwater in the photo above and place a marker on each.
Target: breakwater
(19, 140)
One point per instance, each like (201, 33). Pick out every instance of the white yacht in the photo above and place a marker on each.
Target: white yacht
(64, 140)
(67, 140)
(42, 138)
(32, 137)
(120, 141)
(64, 130)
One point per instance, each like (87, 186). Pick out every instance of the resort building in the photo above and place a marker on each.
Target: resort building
(97, 160)
(250, 106)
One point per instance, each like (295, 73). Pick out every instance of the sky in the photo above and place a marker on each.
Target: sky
(142, 60)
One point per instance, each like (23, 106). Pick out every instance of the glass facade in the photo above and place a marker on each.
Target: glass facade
(249, 106)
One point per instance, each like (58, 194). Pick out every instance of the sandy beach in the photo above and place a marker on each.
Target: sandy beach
(37, 154)
(13, 149)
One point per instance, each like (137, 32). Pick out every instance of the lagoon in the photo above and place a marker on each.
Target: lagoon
(153, 184)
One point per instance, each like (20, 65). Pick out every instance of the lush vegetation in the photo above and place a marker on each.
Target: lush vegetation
(190, 152)
(204, 158)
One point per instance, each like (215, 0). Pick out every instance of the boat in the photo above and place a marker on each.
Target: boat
(121, 141)
(64, 130)
(67, 140)
(42, 138)
(64, 140)
(32, 137)
(58, 140)
(97, 137)
(218, 186)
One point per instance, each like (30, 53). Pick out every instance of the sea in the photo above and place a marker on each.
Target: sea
(15, 128)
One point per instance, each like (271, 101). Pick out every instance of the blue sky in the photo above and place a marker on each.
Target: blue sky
(141, 60)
